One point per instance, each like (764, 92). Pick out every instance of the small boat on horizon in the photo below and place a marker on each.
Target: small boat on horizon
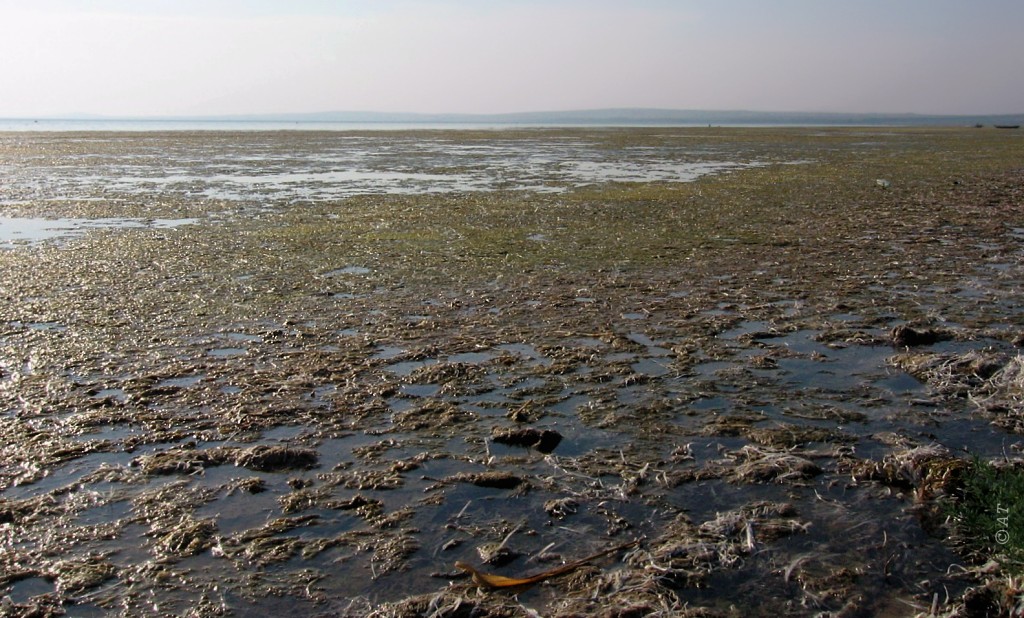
(1007, 126)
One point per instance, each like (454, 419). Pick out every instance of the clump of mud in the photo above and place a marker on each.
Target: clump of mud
(544, 440)
(275, 458)
(908, 336)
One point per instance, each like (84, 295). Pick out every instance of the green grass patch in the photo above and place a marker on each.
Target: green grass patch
(988, 513)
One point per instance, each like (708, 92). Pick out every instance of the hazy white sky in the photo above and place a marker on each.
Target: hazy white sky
(163, 57)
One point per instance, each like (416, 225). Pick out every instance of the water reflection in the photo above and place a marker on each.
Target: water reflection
(249, 166)
(19, 231)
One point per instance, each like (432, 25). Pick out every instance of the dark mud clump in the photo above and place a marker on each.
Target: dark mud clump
(905, 336)
(495, 480)
(544, 440)
(276, 458)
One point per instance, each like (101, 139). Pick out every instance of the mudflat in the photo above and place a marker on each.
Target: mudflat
(762, 354)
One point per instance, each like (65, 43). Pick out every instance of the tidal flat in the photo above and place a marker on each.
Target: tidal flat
(302, 373)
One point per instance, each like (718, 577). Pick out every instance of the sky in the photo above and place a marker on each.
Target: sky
(129, 58)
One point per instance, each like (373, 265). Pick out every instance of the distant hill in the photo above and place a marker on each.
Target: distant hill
(634, 116)
(596, 117)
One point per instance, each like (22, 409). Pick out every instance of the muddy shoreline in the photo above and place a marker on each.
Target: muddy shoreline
(318, 407)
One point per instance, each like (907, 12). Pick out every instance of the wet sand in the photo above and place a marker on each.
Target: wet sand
(318, 406)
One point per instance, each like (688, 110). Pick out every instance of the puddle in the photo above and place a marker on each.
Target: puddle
(650, 171)
(284, 433)
(23, 590)
(182, 382)
(710, 403)
(405, 368)
(111, 433)
(228, 352)
(420, 390)
(902, 383)
(104, 513)
(70, 474)
(388, 352)
(245, 337)
(40, 326)
(652, 367)
(28, 231)
(347, 270)
(117, 394)
(525, 350)
(471, 358)
(241, 510)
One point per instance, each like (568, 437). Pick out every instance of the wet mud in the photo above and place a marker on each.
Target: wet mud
(765, 376)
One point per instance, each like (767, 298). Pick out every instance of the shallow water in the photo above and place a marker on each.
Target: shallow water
(248, 167)
(20, 231)
(140, 387)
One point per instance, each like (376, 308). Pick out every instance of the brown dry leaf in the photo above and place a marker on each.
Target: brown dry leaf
(488, 580)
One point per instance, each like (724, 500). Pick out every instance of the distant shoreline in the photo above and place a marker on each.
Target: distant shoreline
(156, 126)
(581, 118)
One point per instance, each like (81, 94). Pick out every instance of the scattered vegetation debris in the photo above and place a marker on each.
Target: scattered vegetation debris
(76, 575)
(530, 411)
(560, 508)
(497, 554)
(722, 366)
(182, 538)
(686, 554)
(186, 460)
(909, 468)
(764, 465)
(252, 485)
(433, 414)
(953, 374)
(788, 435)
(992, 380)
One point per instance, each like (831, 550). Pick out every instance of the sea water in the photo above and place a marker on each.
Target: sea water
(279, 168)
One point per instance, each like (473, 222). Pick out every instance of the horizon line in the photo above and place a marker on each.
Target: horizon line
(637, 113)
